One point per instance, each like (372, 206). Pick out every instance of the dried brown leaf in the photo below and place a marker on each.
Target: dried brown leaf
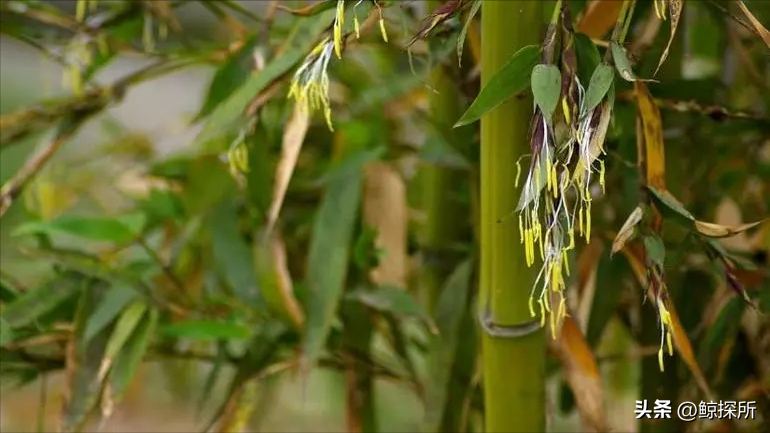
(284, 281)
(582, 375)
(599, 18)
(760, 29)
(627, 230)
(650, 141)
(721, 231)
(293, 136)
(675, 12)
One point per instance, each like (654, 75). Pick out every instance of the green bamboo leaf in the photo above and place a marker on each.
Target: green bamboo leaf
(212, 378)
(512, 78)
(461, 39)
(207, 330)
(724, 328)
(546, 88)
(609, 275)
(601, 81)
(117, 297)
(392, 300)
(623, 65)
(84, 383)
(450, 308)
(123, 330)
(588, 57)
(330, 251)
(225, 116)
(6, 333)
(670, 205)
(232, 255)
(229, 77)
(656, 250)
(37, 302)
(131, 355)
(8, 291)
(118, 230)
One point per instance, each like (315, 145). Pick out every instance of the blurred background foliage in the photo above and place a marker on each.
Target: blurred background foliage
(182, 248)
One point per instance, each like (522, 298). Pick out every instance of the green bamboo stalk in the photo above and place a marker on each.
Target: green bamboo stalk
(447, 219)
(440, 188)
(514, 368)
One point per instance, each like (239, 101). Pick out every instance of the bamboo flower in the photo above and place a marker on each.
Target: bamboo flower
(556, 198)
(310, 83)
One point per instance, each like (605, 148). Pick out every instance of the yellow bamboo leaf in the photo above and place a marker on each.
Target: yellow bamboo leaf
(385, 210)
(675, 12)
(760, 29)
(293, 136)
(600, 17)
(284, 282)
(721, 231)
(650, 141)
(627, 230)
(582, 374)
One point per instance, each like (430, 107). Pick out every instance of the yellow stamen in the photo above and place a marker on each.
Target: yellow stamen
(601, 174)
(542, 312)
(338, 22)
(518, 174)
(532, 306)
(660, 359)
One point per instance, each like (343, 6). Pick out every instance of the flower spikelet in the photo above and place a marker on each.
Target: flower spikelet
(310, 83)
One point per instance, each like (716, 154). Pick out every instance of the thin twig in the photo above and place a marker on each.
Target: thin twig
(13, 188)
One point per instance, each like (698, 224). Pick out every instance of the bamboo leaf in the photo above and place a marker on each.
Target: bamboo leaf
(118, 230)
(33, 304)
(83, 360)
(628, 229)
(124, 327)
(229, 77)
(758, 27)
(117, 297)
(392, 300)
(601, 81)
(582, 375)
(330, 251)
(669, 203)
(232, 255)
(224, 117)
(675, 12)
(6, 333)
(464, 32)
(511, 79)
(623, 65)
(451, 306)
(609, 274)
(588, 58)
(293, 137)
(207, 330)
(131, 355)
(722, 231)
(650, 139)
(276, 285)
(656, 250)
(546, 88)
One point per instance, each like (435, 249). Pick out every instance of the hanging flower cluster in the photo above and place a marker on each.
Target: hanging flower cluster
(555, 202)
(310, 83)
